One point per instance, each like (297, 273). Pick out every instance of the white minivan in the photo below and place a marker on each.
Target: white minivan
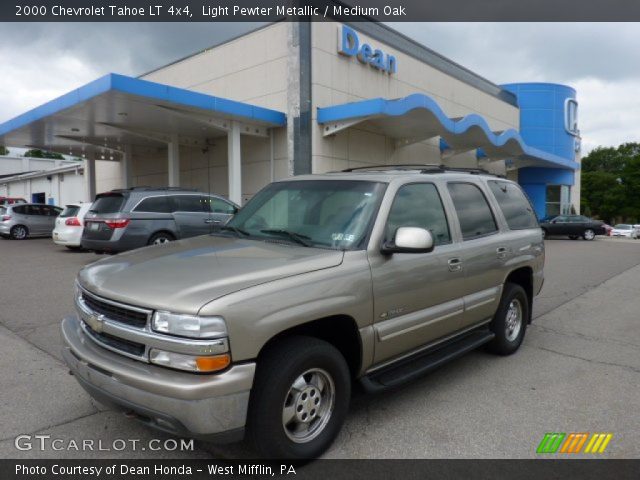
(69, 225)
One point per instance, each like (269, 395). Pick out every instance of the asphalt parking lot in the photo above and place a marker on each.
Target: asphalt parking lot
(578, 371)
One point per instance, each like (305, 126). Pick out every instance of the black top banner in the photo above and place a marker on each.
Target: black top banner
(316, 10)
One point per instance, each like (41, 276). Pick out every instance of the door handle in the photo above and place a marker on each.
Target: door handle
(208, 220)
(455, 264)
(501, 252)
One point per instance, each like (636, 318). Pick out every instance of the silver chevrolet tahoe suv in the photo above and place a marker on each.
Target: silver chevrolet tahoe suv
(371, 276)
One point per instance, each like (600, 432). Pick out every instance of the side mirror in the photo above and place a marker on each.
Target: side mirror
(410, 240)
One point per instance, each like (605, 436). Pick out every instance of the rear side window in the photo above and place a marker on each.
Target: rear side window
(22, 210)
(70, 211)
(188, 203)
(160, 204)
(474, 212)
(108, 203)
(419, 205)
(514, 204)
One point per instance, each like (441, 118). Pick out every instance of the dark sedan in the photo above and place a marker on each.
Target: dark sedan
(573, 226)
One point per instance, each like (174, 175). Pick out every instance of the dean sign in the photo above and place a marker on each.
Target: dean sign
(349, 45)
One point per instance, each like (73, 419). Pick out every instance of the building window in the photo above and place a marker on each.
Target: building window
(571, 117)
(558, 200)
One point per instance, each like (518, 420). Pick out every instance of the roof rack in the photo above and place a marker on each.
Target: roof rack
(148, 188)
(426, 168)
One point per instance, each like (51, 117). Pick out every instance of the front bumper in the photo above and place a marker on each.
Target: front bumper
(210, 407)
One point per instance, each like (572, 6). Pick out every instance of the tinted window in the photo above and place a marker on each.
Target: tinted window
(35, 210)
(22, 210)
(108, 203)
(419, 205)
(70, 211)
(188, 203)
(514, 205)
(474, 213)
(220, 206)
(154, 205)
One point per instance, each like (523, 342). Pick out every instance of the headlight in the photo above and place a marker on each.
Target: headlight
(188, 362)
(189, 325)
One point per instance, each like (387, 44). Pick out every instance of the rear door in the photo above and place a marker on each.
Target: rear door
(483, 254)
(191, 215)
(50, 215)
(37, 219)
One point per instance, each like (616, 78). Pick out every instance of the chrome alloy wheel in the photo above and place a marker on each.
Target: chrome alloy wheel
(19, 232)
(513, 320)
(308, 405)
(589, 234)
(161, 240)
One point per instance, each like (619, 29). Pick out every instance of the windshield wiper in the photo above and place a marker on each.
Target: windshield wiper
(238, 231)
(296, 237)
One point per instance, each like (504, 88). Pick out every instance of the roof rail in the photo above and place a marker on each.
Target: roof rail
(148, 188)
(426, 168)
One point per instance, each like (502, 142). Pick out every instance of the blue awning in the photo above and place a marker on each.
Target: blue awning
(117, 110)
(419, 117)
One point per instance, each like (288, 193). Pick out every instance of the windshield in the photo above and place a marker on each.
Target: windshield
(314, 213)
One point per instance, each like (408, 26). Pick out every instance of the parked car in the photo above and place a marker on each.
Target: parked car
(573, 226)
(11, 200)
(319, 281)
(19, 221)
(625, 230)
(69, 225)
(121, 220)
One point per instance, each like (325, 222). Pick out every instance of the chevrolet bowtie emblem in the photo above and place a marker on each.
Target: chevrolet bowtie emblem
(95, 322)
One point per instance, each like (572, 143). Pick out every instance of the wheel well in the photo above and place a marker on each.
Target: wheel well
(168, 232)
(341, 331)
(523, 277)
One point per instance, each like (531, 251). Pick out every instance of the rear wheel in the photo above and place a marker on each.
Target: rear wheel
(589, 234)
(160, 238)
(299, 400)
(510, 321)
(19, 232)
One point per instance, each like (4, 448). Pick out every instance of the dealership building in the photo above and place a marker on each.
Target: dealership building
(294, 98)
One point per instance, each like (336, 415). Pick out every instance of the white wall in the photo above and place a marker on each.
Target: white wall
(338, 79)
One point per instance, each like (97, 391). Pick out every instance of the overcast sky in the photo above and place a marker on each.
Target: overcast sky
(602, 61)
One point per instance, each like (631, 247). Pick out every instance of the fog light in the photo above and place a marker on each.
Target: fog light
(189, 362)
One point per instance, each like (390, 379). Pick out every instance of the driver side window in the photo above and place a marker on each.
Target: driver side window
(419, 205)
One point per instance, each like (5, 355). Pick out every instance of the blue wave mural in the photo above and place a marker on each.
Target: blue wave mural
(449, 127)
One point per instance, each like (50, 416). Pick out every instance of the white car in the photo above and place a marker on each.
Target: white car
(625, 230)
(70, 224)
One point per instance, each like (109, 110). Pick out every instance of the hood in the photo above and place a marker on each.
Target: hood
(182, 276)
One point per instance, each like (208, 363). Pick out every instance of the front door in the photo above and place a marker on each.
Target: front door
(417, 298)
(191, 215)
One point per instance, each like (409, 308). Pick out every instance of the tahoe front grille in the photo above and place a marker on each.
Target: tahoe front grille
(116, 313)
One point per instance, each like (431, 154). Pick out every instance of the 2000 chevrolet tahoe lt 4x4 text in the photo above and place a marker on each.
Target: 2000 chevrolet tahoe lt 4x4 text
(376, 276)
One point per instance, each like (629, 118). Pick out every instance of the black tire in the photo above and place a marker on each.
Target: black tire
(19, 232)
(278, 369)
(574, 237)
(504, 343)
(160, 237)
(544, 234)
(589, 234)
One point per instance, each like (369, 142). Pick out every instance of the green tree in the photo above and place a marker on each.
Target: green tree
(611, 182)
(37, 153)
(3, 150)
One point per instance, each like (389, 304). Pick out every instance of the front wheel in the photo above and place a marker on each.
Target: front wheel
(589, 234)
(299, 400)
(510, 321)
